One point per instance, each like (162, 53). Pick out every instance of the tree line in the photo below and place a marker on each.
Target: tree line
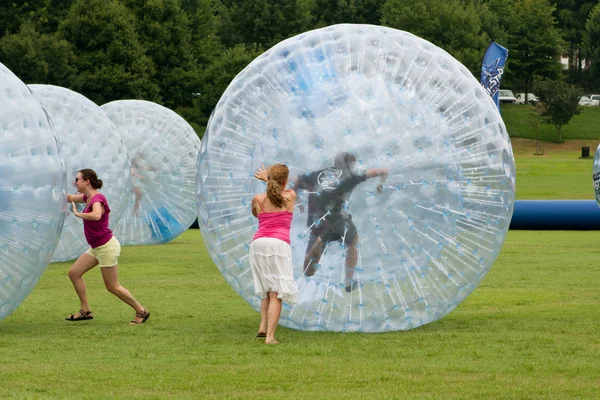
(184, 53)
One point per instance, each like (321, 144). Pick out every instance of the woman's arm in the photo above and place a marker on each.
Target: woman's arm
(94, 215)
(135, 174)
(75, 198)
(254, 206)
(262, 173)
(292, 198)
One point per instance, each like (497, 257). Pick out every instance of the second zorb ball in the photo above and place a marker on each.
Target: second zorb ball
(163, 150)
(339, 105)
(32, 191)
(89, 140)
(596, 175)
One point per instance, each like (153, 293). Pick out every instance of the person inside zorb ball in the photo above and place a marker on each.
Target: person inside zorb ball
(399, 158)
(328, 218)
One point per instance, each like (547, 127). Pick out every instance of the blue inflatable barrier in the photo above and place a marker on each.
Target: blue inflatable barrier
(163, 224)
(549, 215)
(556, 215)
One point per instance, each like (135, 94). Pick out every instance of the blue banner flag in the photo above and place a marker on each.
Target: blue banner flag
(492, 69)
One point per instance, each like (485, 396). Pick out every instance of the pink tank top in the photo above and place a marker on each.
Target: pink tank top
(274, 225)
(97, 233)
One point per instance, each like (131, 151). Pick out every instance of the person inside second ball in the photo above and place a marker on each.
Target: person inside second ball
(329, 219)
(104, 248)
(270, 251)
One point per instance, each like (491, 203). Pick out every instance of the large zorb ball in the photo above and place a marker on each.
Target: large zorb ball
(89, 139)
(596, 175)
(163, 149)
(32, 191)
(394, 101)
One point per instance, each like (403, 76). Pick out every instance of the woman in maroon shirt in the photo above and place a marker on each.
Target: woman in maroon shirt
(104, 247)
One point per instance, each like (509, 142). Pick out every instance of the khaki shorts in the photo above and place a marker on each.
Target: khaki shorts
(107, 254)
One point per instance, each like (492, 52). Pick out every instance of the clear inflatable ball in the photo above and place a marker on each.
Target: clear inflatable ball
(596, 175)
(163, 150)
(402, 165)
(89, 139)
(32, 191)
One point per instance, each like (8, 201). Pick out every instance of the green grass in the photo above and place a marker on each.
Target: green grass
(529, 331)
(559, 174)
(583, 126)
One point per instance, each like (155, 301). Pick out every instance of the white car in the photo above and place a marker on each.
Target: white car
(586, 101)
(531, 98)
(596, 98)
(507, 96)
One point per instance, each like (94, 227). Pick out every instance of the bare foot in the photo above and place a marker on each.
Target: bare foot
(271, 341)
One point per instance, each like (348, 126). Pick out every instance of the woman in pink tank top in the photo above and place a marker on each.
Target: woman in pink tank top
(270, 251)
(104, 247)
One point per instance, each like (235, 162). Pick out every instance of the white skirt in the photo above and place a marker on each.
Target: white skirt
(272, 270)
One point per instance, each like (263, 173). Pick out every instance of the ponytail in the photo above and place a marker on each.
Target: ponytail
(274, 193)
(277, 176)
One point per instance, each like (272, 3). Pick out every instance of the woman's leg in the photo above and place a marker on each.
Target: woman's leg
(84, 263)
(109, 274)
(264, 307)
(138, 196)
(273, 314)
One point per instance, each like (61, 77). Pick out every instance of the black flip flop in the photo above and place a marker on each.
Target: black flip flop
(261, 334)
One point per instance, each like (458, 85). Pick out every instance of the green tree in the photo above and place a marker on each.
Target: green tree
(592, 45)
(44, 14)
(495, 17)
(572, 16)
(204, 22)
(331, 12)
(163, 29)
(38, 58)
(215, 80)
(560, 102)
(110, 60)
(453, 25)
(534, 43)
(262, 23)
(534, 118)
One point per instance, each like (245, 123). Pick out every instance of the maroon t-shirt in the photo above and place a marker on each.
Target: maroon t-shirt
(97, 233)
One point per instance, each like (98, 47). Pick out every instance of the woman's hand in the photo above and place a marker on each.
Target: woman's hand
(262, 173)
(75, 212)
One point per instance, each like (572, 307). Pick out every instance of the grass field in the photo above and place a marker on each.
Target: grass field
(583, 126)
(529, 331)
(559, 174)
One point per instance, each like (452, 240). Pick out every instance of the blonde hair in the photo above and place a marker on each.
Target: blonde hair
(276, 178)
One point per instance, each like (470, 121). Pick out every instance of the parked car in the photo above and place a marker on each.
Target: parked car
(507, 96)
(531, 98)
(595, 97)
(586, 101)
